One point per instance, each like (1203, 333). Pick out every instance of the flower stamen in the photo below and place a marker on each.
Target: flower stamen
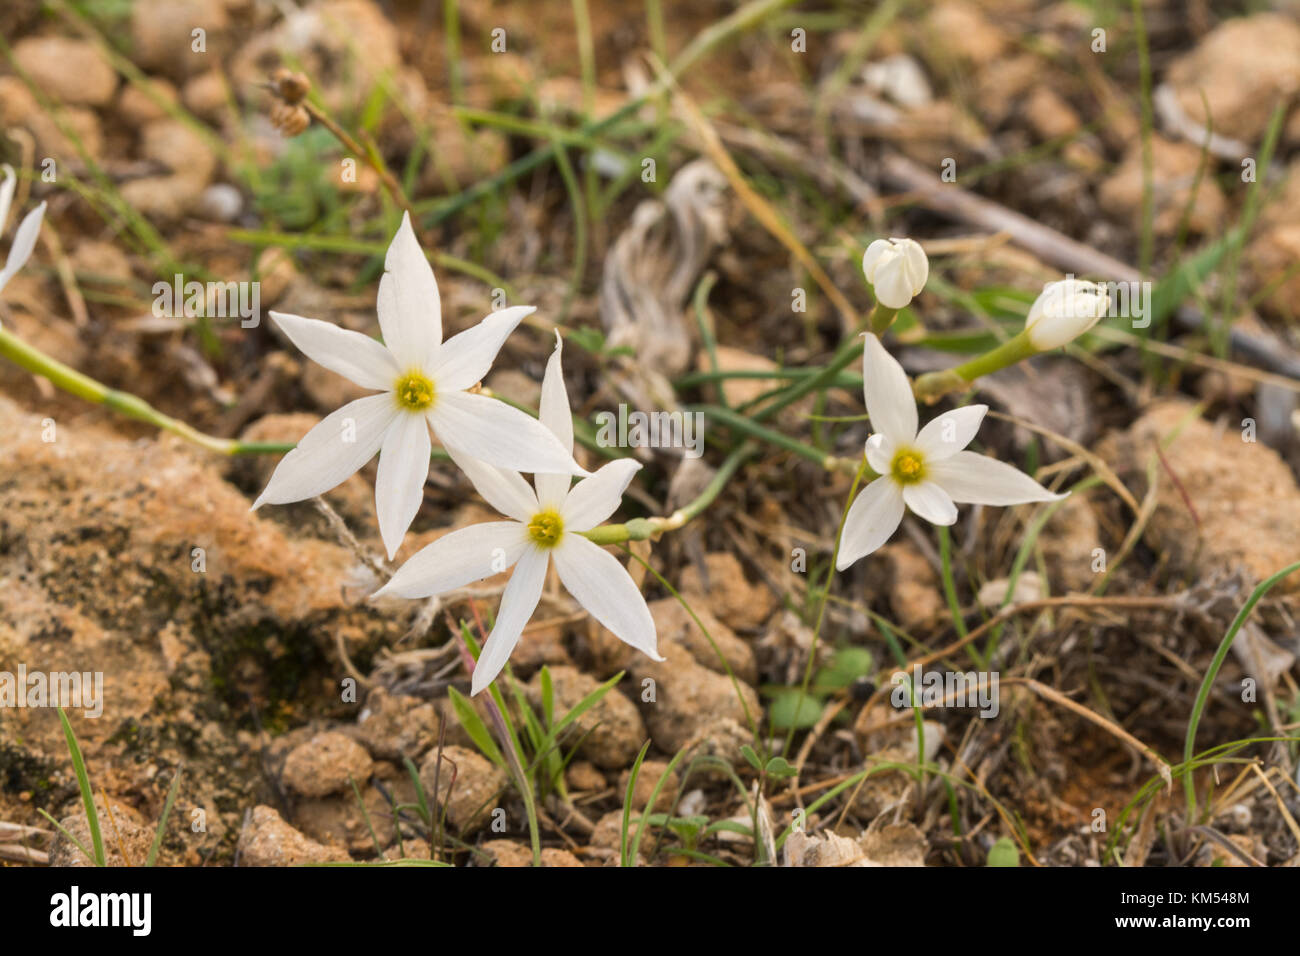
(414, 392)
(546, 528)
(907, 468)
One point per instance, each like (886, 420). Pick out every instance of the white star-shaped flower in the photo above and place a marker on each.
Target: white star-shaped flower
(423, 382)
(926, 471)
(26, 233)
(545, 524)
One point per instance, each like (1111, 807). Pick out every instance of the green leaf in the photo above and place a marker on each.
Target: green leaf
(584, 705)
(1004, 853)
(748, 753)
(87, 795)
(846, 665)
(172, 791)
(468, 718)
(779, 767)
(789, 710)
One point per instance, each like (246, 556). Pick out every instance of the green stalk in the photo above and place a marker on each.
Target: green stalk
(749, 427)
(1203, 695)
(863, 470)
(85, 387)
(933, 385)
(642, 529)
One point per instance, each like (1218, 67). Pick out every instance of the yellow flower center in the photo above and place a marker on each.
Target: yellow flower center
(546, 528)
(907, 467)
(414, 392)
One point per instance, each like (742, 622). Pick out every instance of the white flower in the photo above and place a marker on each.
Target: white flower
(544, 525)
(897, 270)
(1064, 311)
(926, 471)
(25, 236)
(423, 382)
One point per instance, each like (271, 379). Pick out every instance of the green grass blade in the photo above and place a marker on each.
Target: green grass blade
(172, 791)
(87, 795)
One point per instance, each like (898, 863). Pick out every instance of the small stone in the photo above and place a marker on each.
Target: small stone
(67, 70)
(137, 107)
(1245, 496)
(689, 699)
(1049, 115)
(1174, 176)
(583, 776)
(126, 827)
(325, 764)
(611, 730)
(478, 786)
(103, 260)
(276, 271)
(957, 29)
(898, 78)
(915, 596)
(205, 95)
(726, 592)
(163, 34)
(266, 840)
(647, 779)
(395, 726)
(512, 853)
(19, 108)
(221, 202)
(1241, 69)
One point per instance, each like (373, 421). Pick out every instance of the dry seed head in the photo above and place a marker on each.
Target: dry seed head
(289, 86)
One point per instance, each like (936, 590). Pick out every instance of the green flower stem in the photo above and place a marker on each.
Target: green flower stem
(748, 426)
(933, 385)
(132, 406)
(1203, 695)
(881, 318)
(642, 529)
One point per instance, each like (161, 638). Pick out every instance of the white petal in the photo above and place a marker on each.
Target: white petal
(950, 432)
(880, 453)
(978, 479)
(503, 489)
(499, 434)
(410, 311)
(893, 286)
(888, 395)
(594, 499)
(872, 518)
(931, 502)
(466, 357)
(518, 601)
(325, 455)
(602, 586)
(403, 470)
(878, 250)
(555, 415)
(24, 242)
(6, 195)
(356, 357)
(915, 264)
(458, 558)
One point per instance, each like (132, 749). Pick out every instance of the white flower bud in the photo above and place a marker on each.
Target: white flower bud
(1064, 311)
(897, 270)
